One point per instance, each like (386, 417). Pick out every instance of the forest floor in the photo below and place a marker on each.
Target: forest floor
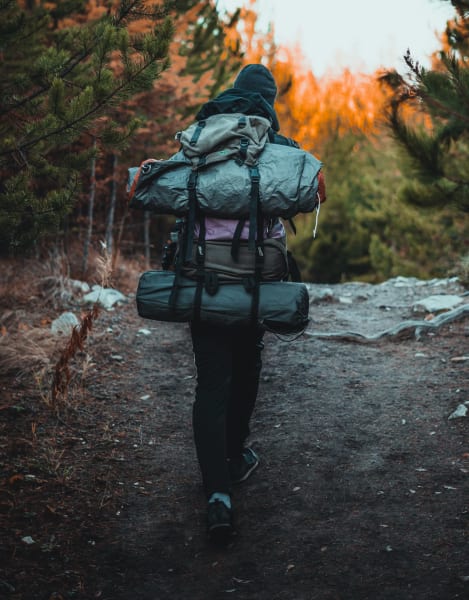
(361, 493)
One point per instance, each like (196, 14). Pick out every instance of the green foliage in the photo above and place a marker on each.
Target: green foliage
(368, 230)
(205, 50)
(340, 251)
(204, 64)
(58, 85)
(436, 152)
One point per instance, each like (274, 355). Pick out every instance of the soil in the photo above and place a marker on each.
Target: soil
(361, 493)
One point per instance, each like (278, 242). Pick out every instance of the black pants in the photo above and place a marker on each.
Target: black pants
(228, 362)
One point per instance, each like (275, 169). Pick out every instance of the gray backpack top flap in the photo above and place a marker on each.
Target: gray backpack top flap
(223, 136)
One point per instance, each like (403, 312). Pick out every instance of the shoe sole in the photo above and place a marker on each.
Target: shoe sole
(246, 475)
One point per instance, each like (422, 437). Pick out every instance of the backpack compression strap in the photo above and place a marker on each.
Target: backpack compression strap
(200, 271)
(259, 264)
(254, 206)
(187, 239)
(253, 213)
(256, 243)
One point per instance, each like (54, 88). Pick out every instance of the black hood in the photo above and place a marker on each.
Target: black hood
(257, 78)
(239, 101)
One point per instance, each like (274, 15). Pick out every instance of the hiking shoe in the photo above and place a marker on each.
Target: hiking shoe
(219, 522)
(241, 467)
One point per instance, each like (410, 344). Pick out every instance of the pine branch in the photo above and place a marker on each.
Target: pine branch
(77, 58)
(84, 117)
(420, 92)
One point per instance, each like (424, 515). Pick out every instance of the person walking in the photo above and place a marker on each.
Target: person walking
(228, 360)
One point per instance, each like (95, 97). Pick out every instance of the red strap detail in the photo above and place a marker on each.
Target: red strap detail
(137, 176)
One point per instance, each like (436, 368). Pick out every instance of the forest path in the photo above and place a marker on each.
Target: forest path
(362, 489)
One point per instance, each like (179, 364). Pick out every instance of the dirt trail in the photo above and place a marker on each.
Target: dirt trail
(361, 494)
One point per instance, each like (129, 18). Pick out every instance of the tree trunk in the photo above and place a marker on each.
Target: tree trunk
(112, 208)
(120, 233)
(89, 231)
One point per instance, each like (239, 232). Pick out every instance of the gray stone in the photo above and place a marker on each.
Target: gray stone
(64, 324)
(105, 297)
(437, 303)
(461, 411)
(79, 286)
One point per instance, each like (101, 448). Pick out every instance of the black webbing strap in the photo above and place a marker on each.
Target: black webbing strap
(243, 149)
(200, 270)
(185, 254)
(177, 271)
(258, 265)
(191, 186)
(237, 239)
(198, 130)
(254, 201)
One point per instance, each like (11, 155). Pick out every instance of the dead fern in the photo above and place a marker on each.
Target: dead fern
(62, 374)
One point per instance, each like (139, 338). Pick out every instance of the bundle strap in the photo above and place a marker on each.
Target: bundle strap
(200, 266)
(243, 149)
(177, 272)
(237, 239)
(198, 130)
(254, 201)
(191, 186)
(185, 253)
(258, 265)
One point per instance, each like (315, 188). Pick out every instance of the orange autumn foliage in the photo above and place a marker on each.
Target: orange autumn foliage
(310, 109)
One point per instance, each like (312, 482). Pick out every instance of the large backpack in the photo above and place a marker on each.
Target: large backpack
(226, 168)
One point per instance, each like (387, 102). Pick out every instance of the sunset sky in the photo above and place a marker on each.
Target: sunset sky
(363, 35)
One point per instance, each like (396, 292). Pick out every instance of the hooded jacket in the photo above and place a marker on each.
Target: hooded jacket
(245, 102)
(253, 93)
(248, 103)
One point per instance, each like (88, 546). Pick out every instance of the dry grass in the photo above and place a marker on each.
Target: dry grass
(61, 377)
(27, 351)
(463, 269)
(33, 293)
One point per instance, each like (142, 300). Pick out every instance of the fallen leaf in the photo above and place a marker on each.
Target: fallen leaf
(14, 478)
(459, 358)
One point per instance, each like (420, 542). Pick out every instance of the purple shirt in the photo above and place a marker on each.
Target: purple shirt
(224, 229)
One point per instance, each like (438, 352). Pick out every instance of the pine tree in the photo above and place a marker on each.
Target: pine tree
(205, 54)
(429, 116)
(205, 48)
(60, 76)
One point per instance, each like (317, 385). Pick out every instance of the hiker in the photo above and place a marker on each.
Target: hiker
(228, 359)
